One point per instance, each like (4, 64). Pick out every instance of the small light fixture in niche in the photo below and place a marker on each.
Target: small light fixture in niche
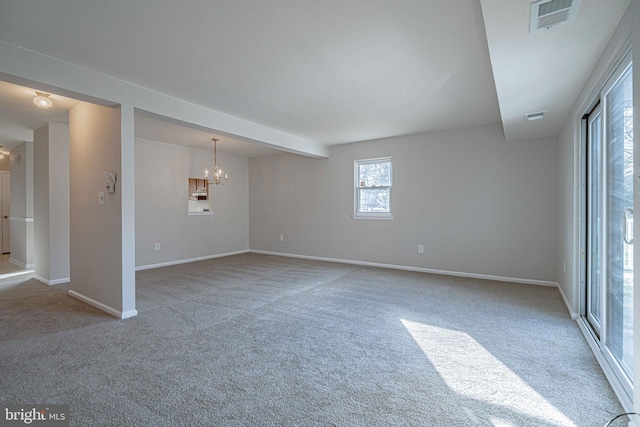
(42, 100)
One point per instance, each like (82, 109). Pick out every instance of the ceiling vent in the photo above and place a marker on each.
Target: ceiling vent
(549, 13)
(534, 116)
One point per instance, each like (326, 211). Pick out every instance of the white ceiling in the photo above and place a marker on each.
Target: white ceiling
(545, 70)
(330, 71)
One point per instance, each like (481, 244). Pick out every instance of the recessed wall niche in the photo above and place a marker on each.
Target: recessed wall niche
(198, 196)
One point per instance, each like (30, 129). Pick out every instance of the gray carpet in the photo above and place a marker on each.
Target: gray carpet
(263, 340)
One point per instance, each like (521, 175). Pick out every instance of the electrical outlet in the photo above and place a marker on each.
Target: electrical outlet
(420, 249)
(157, 246)
(282, 237)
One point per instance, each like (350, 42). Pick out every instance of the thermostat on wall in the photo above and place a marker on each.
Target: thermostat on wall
(111, 181)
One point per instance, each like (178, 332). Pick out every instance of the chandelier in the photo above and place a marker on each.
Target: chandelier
(219, 176)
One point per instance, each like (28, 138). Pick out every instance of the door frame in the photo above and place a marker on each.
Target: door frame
(5, 203)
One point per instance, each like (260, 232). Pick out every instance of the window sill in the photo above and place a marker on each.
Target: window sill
(377, 216)
(210, 213)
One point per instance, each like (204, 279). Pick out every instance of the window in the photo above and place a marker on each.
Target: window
(373, 183)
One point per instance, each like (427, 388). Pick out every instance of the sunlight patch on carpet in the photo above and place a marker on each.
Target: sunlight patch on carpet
(473, 372)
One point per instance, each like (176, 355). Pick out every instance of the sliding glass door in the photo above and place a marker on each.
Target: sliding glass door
(619, 292)
(609, 228)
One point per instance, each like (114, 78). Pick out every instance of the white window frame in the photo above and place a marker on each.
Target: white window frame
(357, 188)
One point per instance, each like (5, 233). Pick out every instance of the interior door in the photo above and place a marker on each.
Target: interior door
(6, 198)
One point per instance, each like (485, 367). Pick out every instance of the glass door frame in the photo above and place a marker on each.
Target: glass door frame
(599, 333)
(593, 163)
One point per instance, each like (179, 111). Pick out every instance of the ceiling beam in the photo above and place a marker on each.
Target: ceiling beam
(33, 69)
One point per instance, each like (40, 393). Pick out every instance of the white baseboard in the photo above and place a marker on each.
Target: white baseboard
(418, 269)
(188, 260)
(129, 313)
(52, 282)
(21, 264)
(15, 274)
(572, 313)
(112, 311)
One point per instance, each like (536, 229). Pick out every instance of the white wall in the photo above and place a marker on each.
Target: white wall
(162, 173)
(21, 215)
(480, 205)
(51, 203)
(568, 251)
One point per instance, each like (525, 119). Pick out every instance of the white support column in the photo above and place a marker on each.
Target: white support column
(51, 203)
(126, 182)
(102, 230)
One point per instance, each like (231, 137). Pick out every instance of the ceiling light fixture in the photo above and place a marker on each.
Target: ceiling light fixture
(219, 177)
(42, 100)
